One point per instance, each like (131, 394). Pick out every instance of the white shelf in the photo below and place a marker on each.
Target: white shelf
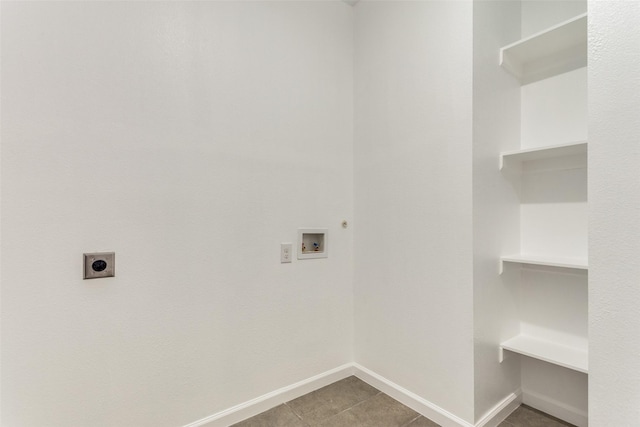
(553, 51)
(573, 263)
(558, 354)
(514, 159)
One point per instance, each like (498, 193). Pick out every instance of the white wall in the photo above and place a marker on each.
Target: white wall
(538, 15)
(496, 207)
(614, 208)
(554, 110)
(185, 135)
(413, 238)
(191, 139)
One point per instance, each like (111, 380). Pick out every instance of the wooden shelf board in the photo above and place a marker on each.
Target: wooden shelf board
(553, 51)
(558, 354)
(516, 158)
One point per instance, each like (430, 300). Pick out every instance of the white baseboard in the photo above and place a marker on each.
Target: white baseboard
(557, 409)
(501, 411)
(412, 400)
(439, 415)
(435, 413)
(265, 402)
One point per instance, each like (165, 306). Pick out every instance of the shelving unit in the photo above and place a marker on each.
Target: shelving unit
(557, 354)
(553, 51)
(514, 159)
(550, 185)
(548, 261)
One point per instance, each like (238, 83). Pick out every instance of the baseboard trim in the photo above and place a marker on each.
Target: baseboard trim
(435, 413)
(267, 401)
(553, 407)
(412, 400)
(501, 411)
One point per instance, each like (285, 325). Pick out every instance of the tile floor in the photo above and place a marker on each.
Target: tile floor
(353, 403)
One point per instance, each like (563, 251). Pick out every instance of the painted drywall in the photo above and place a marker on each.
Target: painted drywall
(614, 209)
(538, 15)
(553, 304)
(556, 390)
(496, 206)
(191, 138)
(554, 199)
(554, 110)
(413, 237)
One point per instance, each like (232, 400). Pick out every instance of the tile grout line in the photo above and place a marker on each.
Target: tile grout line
(302, 418)
(294, 412)
(352, 406)
(409, 423)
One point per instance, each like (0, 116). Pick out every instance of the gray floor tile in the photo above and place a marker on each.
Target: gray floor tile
(343, 419)
(305, 404)
(347, 392)
(328, 401)
(525, 416)
(354, 403)
(422, 422)
(378, 411)
(313, 409)
(280, 416)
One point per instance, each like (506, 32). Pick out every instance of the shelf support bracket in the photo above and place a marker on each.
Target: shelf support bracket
(503, 354)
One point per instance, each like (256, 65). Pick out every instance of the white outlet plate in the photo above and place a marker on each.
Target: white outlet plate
(286, 252)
